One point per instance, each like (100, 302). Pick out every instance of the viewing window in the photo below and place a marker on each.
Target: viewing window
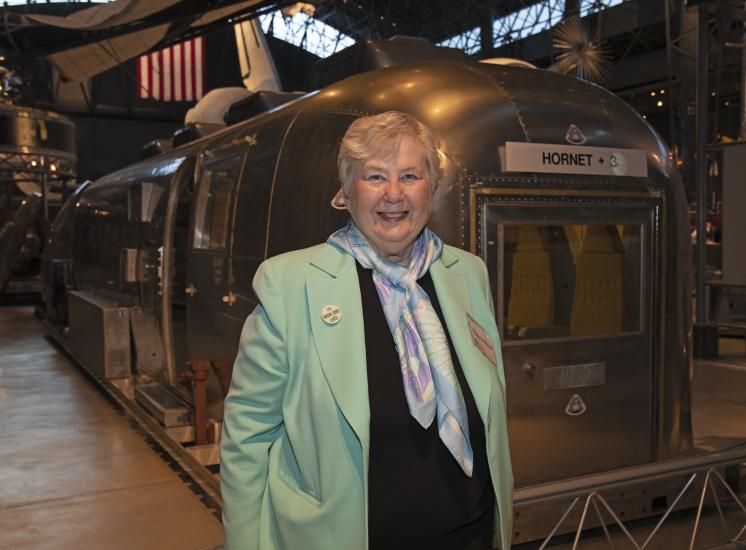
(555, 280)
(214, 202)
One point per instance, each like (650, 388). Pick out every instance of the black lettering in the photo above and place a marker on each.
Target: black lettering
(546, 158)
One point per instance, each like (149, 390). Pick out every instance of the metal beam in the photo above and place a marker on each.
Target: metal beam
(627, 477)
(703, 336)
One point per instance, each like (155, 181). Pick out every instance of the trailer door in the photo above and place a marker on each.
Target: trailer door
(208, 295)
(574, 285)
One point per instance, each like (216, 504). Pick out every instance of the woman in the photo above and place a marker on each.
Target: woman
(367, 407)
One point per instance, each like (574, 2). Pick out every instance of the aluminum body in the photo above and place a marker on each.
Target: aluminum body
(262, 187)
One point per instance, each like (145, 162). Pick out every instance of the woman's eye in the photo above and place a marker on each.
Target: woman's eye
(374, 177)
(410, 177)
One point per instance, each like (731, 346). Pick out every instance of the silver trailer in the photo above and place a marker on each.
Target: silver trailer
(569, 196)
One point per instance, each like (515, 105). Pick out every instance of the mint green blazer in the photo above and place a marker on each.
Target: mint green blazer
(294, 451)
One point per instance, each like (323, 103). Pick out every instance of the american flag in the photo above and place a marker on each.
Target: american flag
(173, 74)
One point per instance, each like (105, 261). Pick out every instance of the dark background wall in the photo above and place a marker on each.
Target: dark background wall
(113, 122)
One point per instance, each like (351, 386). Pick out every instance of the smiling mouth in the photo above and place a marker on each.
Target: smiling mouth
(393, 216)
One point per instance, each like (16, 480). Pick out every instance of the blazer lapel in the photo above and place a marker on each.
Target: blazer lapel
(453, 294)
(341, 346)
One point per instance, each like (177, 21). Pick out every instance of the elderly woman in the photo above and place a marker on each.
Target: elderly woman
(367, 407)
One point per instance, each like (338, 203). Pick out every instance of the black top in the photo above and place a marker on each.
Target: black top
(419, 498)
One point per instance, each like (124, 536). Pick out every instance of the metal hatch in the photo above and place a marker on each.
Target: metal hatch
(575, 282)
(208, 290)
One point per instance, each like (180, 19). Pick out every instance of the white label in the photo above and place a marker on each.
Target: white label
(573, 159)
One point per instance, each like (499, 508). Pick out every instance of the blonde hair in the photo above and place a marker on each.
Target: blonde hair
(380, 136)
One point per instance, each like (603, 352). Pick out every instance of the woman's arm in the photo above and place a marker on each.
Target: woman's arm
(252, 419)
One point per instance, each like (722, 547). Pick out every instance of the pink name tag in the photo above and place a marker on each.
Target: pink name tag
(482, 340)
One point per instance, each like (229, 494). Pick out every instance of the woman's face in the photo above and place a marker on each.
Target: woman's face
(392, 200)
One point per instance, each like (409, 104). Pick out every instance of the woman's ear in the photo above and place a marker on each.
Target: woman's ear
(339, 201)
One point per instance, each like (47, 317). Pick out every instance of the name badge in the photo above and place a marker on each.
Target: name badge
(482, 340)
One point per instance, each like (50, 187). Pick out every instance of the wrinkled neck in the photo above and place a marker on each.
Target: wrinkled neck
(403, 258)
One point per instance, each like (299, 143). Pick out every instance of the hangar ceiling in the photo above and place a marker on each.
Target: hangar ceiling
(649, 46)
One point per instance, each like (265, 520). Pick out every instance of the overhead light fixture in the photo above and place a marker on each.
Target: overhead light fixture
(652, 93)
(660, 103)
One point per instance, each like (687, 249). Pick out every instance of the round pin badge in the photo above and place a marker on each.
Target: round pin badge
(331, 314)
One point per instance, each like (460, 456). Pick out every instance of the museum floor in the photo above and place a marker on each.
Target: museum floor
(75, 473)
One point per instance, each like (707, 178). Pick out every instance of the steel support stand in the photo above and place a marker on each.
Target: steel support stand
(699, 511)
(619, 522)
(550, 536)
(603, 525)
(714, 495)
(670, 509)
(593, 498)
(582, 521)
(736, 500)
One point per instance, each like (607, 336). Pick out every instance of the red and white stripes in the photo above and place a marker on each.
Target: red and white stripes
(173, 74)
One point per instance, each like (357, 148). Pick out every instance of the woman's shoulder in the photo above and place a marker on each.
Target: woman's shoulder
(294, 265)
(296, 258)
(467, 259)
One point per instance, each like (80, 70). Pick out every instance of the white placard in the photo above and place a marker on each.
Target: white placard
(575, 159)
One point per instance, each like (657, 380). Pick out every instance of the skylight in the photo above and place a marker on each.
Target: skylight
(468, 41)
(592, 6)
(527, 21)
(306, 32)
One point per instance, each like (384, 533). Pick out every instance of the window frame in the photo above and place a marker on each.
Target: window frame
(198, 235)
(640, 208)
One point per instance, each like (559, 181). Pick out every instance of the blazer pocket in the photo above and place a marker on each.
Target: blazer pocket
(291, 483)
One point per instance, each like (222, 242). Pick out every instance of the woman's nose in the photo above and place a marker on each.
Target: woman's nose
(393, 190)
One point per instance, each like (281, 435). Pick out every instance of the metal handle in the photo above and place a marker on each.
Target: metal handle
(229, 298)
(191, 290)
(529, 369)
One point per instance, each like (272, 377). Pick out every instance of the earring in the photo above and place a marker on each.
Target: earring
(339, 202)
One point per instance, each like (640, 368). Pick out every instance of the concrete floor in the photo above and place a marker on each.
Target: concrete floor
(719, 397)
(73, 472)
